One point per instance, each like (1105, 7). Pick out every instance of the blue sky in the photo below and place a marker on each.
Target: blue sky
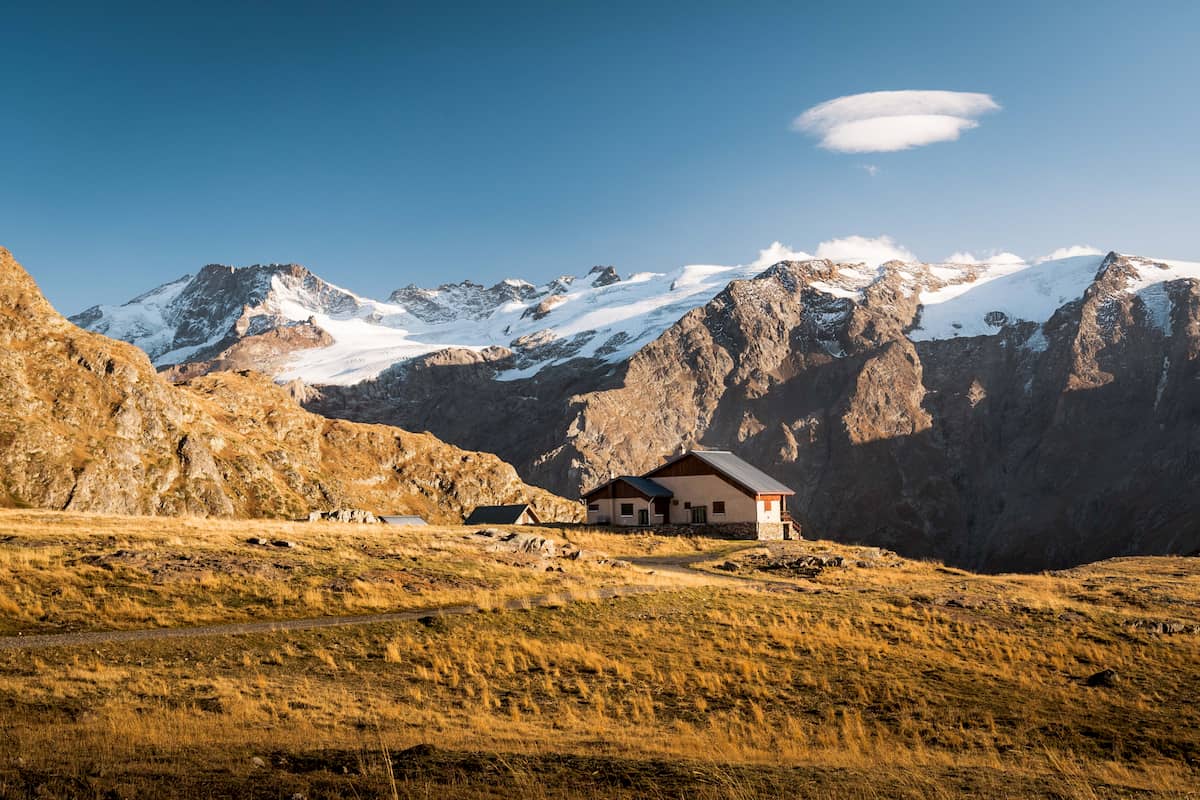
(393, 144)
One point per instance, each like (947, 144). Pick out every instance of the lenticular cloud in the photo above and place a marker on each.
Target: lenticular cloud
(882, 122)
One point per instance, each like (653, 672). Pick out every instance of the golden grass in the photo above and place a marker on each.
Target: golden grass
(67, 572)
(910, 681)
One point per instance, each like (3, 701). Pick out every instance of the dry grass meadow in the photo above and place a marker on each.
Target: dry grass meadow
(881, 678)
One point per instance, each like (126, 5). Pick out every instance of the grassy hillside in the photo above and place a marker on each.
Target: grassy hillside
(764, 677)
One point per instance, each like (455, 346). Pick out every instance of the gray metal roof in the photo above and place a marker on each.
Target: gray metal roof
(497, 515)
(647, 487)
(737, 470)
(404, 520)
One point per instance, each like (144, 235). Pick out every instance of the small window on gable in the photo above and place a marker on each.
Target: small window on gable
(768, 504)
(718, 506)
(626, 509)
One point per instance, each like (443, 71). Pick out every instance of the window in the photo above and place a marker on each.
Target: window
(699, 515)
(593, 506)
(687, 505)
(768, 504)
(718, 506)
(626, 509)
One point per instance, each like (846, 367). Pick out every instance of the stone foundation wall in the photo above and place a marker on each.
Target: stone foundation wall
(772, 530)
(714, 530)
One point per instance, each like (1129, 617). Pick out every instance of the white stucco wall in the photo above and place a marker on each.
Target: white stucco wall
(702, 490)
(774, 515)
(611, 510)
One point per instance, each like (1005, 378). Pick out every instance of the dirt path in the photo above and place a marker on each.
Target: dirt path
(84, 638)
(686, 565)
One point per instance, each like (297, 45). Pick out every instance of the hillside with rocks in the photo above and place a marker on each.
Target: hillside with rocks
(86, 424)
(1012, 416)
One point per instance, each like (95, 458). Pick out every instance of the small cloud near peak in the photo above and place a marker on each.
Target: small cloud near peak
(884, 122)
(964, 257)
(778, 251)
(864, 249)
(1071, 252)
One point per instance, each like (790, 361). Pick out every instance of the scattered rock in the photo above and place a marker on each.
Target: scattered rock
(283, 543)
(258, 762)
(257, 540)
(1105, 677)
(1163, 626)
(344, 515)
(728, 566)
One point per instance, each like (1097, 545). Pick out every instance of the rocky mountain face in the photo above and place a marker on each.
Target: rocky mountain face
(922, 408)
(87, 424)
(288, 322)
(996, 416)
(195, 318)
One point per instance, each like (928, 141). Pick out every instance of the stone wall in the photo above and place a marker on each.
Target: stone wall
(725, 530)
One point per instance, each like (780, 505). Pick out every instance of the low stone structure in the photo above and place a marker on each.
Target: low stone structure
(765, 531)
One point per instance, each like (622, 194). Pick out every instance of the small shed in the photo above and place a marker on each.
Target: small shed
(519, 514)
(403, 520)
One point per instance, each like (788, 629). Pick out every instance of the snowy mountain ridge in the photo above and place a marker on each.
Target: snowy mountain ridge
(598, 315)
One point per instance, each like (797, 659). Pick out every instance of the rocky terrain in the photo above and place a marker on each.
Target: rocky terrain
(86, 424)
(949, 428)
(1000, 417)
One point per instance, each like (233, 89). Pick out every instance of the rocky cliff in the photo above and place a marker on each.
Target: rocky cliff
(905, 410)
(87, 424)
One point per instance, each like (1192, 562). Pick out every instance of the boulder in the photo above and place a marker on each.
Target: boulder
(1103, 678)
(344, 515)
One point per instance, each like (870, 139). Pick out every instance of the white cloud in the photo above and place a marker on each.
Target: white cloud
(963, 257)
(883, 122)
(870, 169)
(872, 252)
(1071, 252)
(779, 252)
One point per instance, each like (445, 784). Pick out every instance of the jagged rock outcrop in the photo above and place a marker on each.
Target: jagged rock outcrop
(87, 424)
(200, 317)
(1026, 446)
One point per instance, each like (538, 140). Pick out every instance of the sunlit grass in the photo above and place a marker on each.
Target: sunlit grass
(910, 680)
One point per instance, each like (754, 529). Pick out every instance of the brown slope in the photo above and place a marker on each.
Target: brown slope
(87, 424)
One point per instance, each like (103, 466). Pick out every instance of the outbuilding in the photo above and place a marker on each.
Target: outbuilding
(520, 514)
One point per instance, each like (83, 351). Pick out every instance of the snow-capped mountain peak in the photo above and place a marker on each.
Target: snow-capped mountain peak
(599, 315)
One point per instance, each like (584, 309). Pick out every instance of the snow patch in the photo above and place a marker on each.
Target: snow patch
(1031, 292)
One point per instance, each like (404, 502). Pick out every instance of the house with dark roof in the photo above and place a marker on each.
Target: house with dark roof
(520, 514)
(710, 489)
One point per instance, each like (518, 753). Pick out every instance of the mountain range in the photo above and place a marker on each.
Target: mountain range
(997, 415)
